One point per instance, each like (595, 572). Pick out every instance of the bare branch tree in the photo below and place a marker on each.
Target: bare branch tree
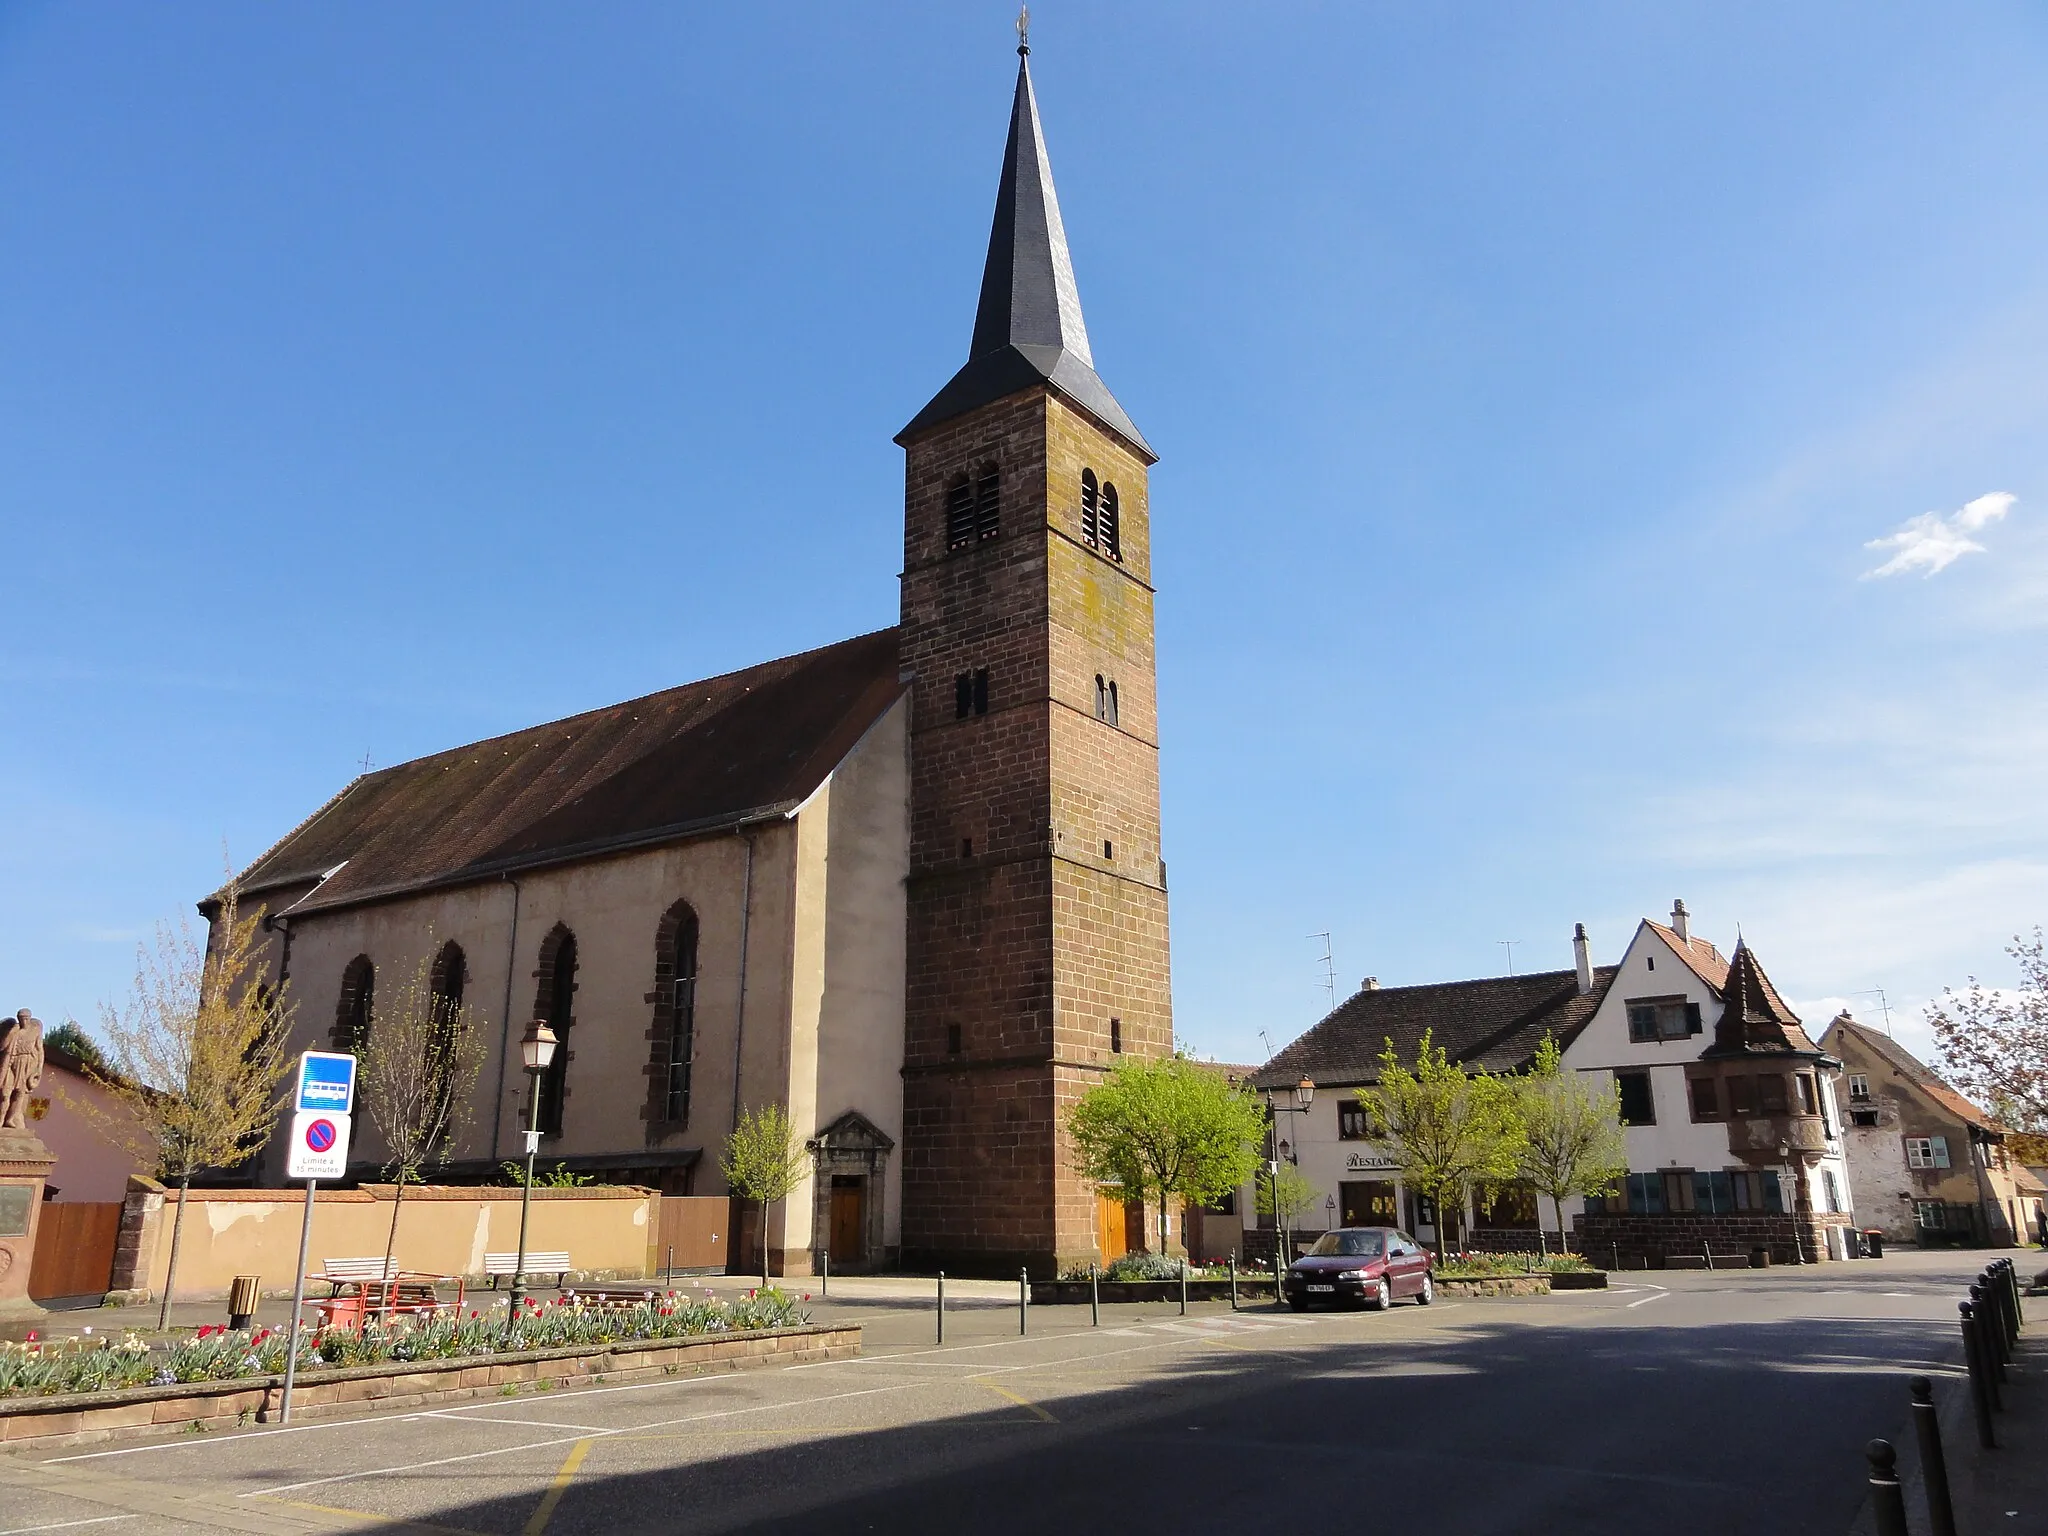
(418, 1065)
(1994, 1043)
(197, 1057)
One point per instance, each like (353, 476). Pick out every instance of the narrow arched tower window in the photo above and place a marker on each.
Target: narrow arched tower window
(1101, 698)
(555, 1002)
(1091, 509)
(1111, 716)
(974, 508)
(1112, 528)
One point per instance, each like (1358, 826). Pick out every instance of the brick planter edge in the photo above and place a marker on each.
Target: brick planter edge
(79, 1418)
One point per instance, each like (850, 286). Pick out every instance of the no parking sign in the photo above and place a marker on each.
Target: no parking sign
(319, 1145)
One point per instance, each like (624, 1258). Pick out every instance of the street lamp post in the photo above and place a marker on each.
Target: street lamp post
(1304, 1094)
(536, 1051)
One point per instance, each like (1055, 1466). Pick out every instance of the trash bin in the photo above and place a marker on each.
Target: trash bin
(1873, 1242)
(1760, 1257)
(242, 1297)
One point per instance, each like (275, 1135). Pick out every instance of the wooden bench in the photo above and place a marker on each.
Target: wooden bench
(359, 1289)
(556, 1264)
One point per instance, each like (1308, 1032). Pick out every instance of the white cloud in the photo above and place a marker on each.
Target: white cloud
(1932, 542)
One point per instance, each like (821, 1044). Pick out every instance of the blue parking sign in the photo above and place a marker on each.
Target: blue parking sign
(327, 1080)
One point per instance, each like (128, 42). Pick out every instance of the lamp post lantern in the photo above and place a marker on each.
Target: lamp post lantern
(1303, 1094)
(536, 1051)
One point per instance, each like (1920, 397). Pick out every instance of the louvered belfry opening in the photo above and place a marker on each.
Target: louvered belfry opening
(974, 508)
(1110, 536)
(1091, 509)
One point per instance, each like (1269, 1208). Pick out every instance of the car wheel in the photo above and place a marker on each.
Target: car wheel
(1383, 1296)
(1427, 1294)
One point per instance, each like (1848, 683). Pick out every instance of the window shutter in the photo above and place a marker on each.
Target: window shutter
(1939, 1144)
(1692, 1019)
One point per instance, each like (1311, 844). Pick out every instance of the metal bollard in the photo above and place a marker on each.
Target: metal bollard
(2012, 1275)
(1980, 1381)
(1941, 1513)
(2009, 1288)
(1233, 1282)
(1023, 1298)
(942, 1306)
(1887, 1499)
(824, 1273)
(1279, 1294)
(1183, 1287)
(1991, 1339)
(1094, 1297)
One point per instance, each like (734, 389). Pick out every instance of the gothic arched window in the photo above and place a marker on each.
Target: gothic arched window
(355, 1007)
(675, 1014)
(445, 981)
(554, 1001)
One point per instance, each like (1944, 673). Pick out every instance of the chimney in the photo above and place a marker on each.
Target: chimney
(1582, 958)
(1370, 984)
(1679, 923)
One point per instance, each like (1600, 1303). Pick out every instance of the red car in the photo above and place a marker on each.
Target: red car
(1368, 1265)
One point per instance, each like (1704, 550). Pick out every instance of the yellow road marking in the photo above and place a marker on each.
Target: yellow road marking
(1021, 1402)
(560, 1486)
(397, 1523)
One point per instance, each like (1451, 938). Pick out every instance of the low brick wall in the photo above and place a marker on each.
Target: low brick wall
(81, 1417)
(1496, 1285)
(1067, 1293)
(1646, 1242)
(1578, 1280)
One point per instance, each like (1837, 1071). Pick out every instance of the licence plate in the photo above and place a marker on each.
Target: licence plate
(1322, 1288)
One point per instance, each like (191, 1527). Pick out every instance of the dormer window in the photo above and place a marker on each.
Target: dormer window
(974, 508)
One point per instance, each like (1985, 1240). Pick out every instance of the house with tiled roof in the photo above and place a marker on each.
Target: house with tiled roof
(1492, 1024)
(1734, 1137)
(1928, 1165)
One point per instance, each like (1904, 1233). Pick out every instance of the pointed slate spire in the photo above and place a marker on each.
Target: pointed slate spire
(1753, 1016)
(1028, 327)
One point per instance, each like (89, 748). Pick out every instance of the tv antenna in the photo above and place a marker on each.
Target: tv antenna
(1509, 946)
(1883, 1004)
(1328, 962)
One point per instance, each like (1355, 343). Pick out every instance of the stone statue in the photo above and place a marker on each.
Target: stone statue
(21, 1067)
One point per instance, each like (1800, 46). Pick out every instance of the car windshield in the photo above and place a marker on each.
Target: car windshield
(1348, 1245)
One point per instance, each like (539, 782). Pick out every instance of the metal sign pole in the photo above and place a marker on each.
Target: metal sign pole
(291, 1349)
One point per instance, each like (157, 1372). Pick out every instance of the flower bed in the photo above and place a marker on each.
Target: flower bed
(1476, 1266)
(221, 1354)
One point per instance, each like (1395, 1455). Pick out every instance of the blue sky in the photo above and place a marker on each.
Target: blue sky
(1531, 384)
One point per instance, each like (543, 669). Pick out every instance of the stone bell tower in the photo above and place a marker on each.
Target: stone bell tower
(1037, 941)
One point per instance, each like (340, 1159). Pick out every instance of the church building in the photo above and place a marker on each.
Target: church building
(909, 886)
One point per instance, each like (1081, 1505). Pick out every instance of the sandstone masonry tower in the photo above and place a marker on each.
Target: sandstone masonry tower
(1037, 941)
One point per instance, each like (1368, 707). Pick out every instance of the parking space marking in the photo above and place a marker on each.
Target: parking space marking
(1041, 1414)
(545, 1510)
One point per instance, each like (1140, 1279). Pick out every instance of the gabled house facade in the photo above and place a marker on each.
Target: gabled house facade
(1734, 1137)
(1491, 1024)
(1929, 1166)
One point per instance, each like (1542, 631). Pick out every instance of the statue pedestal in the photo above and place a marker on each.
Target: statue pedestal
(25, 1164)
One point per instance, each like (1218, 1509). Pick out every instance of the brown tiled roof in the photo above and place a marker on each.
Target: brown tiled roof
(1707, 962)
(1913, 1070)
(1494, 1023)
(698, 758)
(1754, 1018)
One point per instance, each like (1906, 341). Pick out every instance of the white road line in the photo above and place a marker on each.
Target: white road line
(444, 1413)
(65, 1525)
(1646, 1300)
(536, 1445)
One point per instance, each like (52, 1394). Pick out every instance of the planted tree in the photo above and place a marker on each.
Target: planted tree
(764, 1160)
(1168, 1129)
(1994, 1042)
(1447, 1130)
(1286, 1198)
(196, 1056)
(1572, 1137)
(414, 1076)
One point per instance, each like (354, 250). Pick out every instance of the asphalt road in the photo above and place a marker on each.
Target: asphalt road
(1732, 1402)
